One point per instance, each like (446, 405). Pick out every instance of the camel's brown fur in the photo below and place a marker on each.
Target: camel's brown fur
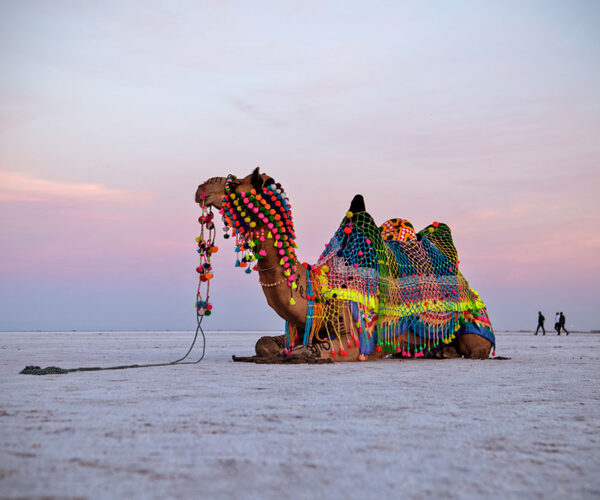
(278, 297)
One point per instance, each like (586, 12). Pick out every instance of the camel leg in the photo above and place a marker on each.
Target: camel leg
(473, 346)
(323, 350)
(343, 351)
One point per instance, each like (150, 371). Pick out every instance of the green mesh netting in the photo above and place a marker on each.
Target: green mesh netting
(389, 289)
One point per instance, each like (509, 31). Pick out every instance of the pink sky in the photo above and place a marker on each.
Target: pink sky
(486, 117)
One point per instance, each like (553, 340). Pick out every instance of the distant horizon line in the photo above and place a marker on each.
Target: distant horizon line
(221, 330)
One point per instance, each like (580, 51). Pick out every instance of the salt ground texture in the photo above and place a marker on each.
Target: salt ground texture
(528, 427)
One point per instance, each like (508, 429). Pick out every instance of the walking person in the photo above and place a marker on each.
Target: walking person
(541, 320)
(561, 322)
(557, 323)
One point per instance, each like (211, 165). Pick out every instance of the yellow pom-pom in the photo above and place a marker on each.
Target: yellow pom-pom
(253, 224)
(270, 235)
(197, 239)
(246, 219)
(430, 230)
(292, 301)
(286, 272)
(349, 214)
(294, 286)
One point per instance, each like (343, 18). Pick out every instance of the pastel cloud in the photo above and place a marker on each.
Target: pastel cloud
(20, 186)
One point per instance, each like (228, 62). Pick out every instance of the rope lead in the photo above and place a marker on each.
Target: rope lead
(55, 370)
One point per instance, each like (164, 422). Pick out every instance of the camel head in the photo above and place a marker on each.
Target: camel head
(212, 191)
(256, 209)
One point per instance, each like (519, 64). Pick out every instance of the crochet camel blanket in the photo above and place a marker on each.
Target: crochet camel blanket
(373, 284)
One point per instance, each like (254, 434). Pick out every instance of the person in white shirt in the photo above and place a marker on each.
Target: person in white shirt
(561, 323)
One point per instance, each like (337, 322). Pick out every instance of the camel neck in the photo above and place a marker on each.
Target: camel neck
(274, 284)
(264, 218)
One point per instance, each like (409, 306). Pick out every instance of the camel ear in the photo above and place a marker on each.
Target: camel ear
(256, 179)
(358, 204)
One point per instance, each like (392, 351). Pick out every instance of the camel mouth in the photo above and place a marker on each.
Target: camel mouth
(200, 195)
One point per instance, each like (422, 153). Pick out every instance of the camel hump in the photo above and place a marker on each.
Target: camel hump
(357, 204)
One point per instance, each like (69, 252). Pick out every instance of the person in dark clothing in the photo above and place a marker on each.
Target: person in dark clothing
(561, 323)
(557, 323)
(541, 320)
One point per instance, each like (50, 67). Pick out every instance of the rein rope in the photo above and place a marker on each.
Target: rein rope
(206, 248)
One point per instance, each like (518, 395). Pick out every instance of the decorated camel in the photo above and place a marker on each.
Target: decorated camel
(375, 290)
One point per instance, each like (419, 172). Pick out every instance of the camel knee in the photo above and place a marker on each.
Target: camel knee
(474, 347)
(269, 346)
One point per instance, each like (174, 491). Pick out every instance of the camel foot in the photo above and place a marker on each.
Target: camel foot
(244, 359)
(447, 352)
(281, 359)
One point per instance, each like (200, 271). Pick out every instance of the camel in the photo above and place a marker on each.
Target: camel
(292, 294)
